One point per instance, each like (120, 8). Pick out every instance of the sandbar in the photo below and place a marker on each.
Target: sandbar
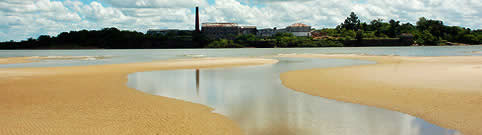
(96, 100)
(16, 60)
(31, 59)
(446, 91)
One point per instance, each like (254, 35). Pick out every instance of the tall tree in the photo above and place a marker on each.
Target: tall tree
(394, 29)
(407, 28)
(435, 27)
(352, 22)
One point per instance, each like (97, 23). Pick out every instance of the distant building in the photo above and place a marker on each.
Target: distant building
(168, 31)
(297, 29)
(220, 30)
(266, 32)
(226, 30)
(231, 30)
(248, 30)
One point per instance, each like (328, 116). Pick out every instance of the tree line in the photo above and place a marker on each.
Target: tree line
(424, 32)
(278, 40)
(107, 38)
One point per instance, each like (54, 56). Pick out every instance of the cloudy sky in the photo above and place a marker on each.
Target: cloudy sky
(21, 19)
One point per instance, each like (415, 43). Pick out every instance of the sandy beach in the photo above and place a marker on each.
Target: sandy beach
(95, 100)
(17, 60)
(446, 91)
(14, 60)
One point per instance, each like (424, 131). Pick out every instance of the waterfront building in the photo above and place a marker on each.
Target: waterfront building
(226, 30)
(266, 32)
(231, 30)
(220, 30)
(299, 30)
(248, 30)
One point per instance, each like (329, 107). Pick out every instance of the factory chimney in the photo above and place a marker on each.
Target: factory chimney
(197, 20)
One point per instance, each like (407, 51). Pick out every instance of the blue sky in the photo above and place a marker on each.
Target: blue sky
(22, 19)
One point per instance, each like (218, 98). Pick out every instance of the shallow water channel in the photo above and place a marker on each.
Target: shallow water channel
(254, 97)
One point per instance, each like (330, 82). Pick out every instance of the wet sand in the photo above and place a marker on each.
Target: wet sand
(15, 60)
(446, 91)
(95, 100)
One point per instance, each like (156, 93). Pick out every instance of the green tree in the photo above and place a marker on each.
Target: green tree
(379, 27)
(407, 28)
(330, 32)
(352, 22)
(359, 35)
(394, 29)
(224, 43)
(245, 38)
(435, 27)
(369, 34)
(348, 34)
(375, 25)
(426, 38)
(422, 24)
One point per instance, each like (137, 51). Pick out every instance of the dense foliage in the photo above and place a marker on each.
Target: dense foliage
(108, 38)
(426, 31)
(282, 40)
(224, 43)
(352, 32)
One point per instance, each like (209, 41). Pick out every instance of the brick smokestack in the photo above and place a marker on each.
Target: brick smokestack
(197, 20)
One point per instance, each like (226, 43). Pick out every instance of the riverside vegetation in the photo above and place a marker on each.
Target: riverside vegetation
(424, 32)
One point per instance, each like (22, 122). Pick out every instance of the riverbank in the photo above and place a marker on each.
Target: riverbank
(446, 91)
(16, 60)
(95, 100)
(31, 59)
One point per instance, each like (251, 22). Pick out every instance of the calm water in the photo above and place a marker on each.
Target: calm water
(255, 98)
(127, 56)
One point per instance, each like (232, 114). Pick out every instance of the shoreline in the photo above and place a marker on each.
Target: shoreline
(16, 60)
(454, 45)
(33, 59)
(95, 100)
(444, 90)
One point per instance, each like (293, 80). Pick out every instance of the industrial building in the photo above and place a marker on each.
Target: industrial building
(226, 30)
(220, 30)
(176, 31)
(297, 29)
(231, 30)
(248, 30)
(266, 32)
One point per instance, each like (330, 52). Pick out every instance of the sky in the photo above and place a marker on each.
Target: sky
(22, 19)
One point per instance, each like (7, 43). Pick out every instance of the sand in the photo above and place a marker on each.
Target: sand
(96, 100)
(446, 91)
(15, 60)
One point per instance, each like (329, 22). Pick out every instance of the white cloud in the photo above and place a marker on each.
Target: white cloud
(155, 3)
(279, 14)
(98, 13)
(30, 18)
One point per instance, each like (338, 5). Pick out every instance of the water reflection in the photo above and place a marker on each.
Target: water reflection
(255, 98)
(197, 82)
